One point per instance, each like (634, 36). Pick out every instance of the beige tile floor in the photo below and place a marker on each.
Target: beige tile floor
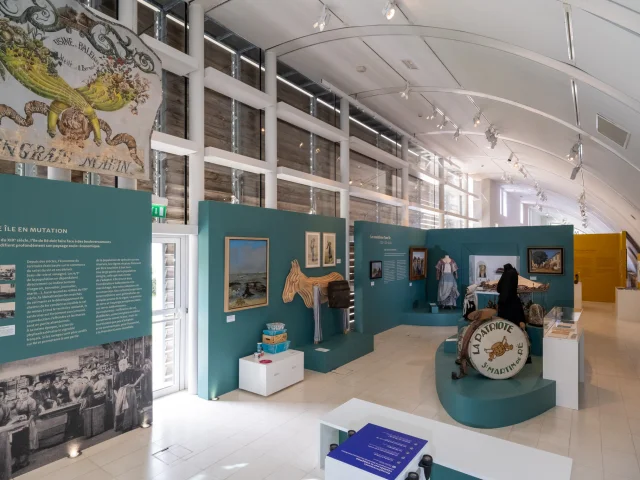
(244, 436)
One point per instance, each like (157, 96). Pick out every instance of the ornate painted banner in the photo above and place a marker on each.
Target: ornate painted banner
(77, 90)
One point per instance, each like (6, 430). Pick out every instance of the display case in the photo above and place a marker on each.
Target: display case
(485, 268)
(562, 322)
(563, 354)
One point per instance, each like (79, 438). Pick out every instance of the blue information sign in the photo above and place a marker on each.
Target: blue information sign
(379, 451)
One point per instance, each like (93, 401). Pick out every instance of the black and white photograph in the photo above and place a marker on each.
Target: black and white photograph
(7, 291)
(7, 272)
(53, 404)
(7, 310)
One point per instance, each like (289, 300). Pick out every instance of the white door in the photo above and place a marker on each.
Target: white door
(168, 264)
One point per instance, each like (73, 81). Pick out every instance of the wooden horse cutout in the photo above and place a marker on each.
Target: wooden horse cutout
(298, 282)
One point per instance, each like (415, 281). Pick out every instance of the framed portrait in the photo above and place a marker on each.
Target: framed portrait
(375, 269)
(246, 273)
(417, 263)
(328, 249)
(545, 260)
(312, 249)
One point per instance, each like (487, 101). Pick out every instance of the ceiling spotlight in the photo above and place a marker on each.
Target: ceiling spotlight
(476, 119)
(510, 157)
(443, 123)
(433, 114)
(492, 136)
(456, 135)
(575, 171)
(574, 154)
(539, 207)
(405, 93)
(323, 20)
(389, 9)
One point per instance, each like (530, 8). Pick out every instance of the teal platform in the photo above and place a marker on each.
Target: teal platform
(480, 402)
(342, 349)
(424, 318)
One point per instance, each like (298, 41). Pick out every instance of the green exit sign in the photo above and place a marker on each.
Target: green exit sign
(159, 211)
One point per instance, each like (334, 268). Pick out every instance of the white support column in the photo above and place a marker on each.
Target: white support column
(271, 131)
(344, 176)
(61, 174)
(441, 202)
(196, 181)
(128, 16)
(405, 182)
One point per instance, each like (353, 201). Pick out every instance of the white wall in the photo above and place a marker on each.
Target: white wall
(491, 217)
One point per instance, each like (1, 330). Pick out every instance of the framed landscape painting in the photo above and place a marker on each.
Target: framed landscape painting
(545, 260)
(246, 273)
(312, 249)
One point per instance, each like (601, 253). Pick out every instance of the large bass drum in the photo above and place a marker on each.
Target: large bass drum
(496, 348)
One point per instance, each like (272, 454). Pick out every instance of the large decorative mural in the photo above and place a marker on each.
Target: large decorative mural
(77, 90)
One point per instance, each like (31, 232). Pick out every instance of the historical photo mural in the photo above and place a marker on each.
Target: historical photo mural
(50, 403)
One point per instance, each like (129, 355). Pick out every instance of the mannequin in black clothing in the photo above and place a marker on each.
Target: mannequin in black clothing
(509, 305)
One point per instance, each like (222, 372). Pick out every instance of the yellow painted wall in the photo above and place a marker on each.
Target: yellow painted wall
(601, 261)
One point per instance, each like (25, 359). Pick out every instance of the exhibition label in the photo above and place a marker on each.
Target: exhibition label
(379, 451)
(74, 276)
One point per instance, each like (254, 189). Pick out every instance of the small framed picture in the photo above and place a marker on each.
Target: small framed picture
(328, 249)
(375, 269)
(545, 260)
(417, 263)
(312, 249)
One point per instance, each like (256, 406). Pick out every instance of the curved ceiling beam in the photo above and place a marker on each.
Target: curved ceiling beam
(536, 147)
(611, 11)
(501, 137)
(344, 33)
(460, 91)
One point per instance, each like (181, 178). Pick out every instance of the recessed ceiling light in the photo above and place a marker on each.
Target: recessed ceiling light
(361, 69)
(410, 65)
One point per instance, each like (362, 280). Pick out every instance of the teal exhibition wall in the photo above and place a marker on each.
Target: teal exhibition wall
(386, 303)
(75, 270)
(459, 244)
(222, 344)
(381, 303)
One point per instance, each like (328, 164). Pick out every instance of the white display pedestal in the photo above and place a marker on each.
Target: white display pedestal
(285, 369)
(628, 305)
(577, 296)
(457, 448)
(563, 358)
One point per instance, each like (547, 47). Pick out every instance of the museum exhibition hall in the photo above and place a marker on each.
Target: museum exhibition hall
(319, 239)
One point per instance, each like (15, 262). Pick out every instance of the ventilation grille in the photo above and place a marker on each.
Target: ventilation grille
(410, 65)
(612, 131)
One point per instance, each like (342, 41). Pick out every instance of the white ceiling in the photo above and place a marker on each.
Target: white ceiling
(509, 58)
